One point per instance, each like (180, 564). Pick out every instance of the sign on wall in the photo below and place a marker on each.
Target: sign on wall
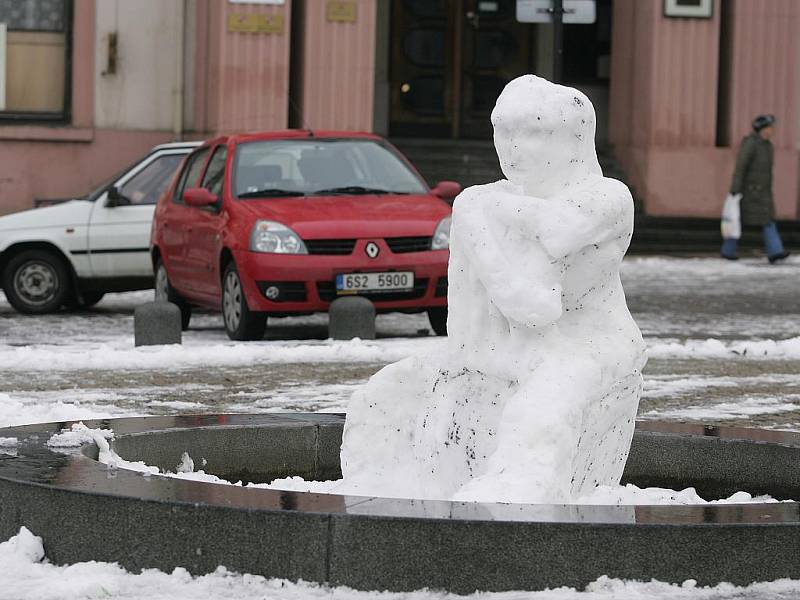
(341, 11)
(698, 9)
(278, 2)
(541, 11)
(255, 23)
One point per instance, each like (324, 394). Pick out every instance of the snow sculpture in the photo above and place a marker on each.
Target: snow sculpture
(536, 396)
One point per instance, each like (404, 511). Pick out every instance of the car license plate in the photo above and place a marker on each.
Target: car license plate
(353, 283)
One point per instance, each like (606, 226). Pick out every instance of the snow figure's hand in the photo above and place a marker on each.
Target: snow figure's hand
(595, 214)
(526, 303)
(520, 279)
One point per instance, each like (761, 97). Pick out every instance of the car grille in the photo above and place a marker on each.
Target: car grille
(400, 245)
(330, 246)
(327, 292)
(289, 291)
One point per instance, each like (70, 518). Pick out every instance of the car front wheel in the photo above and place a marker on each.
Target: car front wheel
(166, 293)
(241, 323)
(438, 319)
(91, 298)
(87, 300)
(36, 282)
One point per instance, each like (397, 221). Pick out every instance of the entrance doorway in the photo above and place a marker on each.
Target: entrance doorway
(450, 59)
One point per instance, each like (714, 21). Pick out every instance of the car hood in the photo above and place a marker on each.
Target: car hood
(324, 217)
(66, 214)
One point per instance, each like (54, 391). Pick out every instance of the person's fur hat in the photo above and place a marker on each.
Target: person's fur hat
(762, 121)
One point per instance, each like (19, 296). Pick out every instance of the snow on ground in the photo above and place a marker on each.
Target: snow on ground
(714, 348)
(197, 353)
(122, 355)
(18, 411)
(723, 411)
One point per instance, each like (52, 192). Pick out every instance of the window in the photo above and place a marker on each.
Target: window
(215, 173)
(191, 173)
(148, 184)
(36, 52)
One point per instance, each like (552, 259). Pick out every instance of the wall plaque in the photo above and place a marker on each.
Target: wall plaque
(255, 23)
(342, 11)
(698, 9)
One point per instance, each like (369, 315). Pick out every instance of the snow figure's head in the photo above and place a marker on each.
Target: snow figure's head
(544, 135)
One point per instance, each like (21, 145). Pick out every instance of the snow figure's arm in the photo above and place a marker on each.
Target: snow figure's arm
(573, 220)
(520, 279)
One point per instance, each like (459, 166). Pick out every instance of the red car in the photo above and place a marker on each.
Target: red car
(283, 223)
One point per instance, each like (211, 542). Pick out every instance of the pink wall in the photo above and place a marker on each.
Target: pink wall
(241, 79)
(36, 170)
(664, 100)
(27, 152)
(338, 72)
(764, 75)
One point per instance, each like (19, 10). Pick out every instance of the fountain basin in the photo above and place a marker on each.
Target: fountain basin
(85, 511)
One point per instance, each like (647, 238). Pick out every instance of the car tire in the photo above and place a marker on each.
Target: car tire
(37, 282)
(438, 319)
(164, 292)
(88, 299)
(241, 323)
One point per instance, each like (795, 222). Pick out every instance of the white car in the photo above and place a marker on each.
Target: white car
(72, 253)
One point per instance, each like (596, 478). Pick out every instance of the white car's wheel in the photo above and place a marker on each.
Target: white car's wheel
(36, 281)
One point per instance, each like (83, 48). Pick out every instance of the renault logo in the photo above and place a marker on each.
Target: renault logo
(372, 250)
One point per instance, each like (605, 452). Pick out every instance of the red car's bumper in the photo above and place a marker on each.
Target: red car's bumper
(307, 283)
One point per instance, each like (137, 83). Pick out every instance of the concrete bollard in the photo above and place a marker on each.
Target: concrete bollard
(351, 317)
(156, 323)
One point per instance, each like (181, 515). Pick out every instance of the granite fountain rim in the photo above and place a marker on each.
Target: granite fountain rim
(77, 470)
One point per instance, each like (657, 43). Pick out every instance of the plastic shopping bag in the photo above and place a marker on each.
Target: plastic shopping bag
(731, 223)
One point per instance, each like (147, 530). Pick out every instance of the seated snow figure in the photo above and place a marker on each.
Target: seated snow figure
(536, 397)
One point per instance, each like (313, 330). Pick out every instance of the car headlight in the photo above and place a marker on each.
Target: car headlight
(441, 237)
(272, 237)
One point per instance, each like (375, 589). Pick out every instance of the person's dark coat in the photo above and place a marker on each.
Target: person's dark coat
(753, 179)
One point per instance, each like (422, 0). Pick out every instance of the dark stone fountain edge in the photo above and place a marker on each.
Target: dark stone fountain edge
(84, 511)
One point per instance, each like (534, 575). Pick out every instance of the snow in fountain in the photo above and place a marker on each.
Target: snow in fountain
(535, 398)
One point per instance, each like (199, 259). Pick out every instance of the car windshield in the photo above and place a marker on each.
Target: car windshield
(321, 167)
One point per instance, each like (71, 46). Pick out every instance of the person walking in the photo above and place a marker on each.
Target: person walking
(752, 179)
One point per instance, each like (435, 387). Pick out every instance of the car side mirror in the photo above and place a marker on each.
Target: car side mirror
(447, 190)
(114, 197)
(199, 197)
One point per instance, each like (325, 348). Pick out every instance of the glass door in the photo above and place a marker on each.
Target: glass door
(495, 48)
(449, 61)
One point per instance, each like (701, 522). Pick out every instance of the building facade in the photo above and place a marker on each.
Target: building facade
(87, 86)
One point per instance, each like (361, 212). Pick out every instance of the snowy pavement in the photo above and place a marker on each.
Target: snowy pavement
(723, 340)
